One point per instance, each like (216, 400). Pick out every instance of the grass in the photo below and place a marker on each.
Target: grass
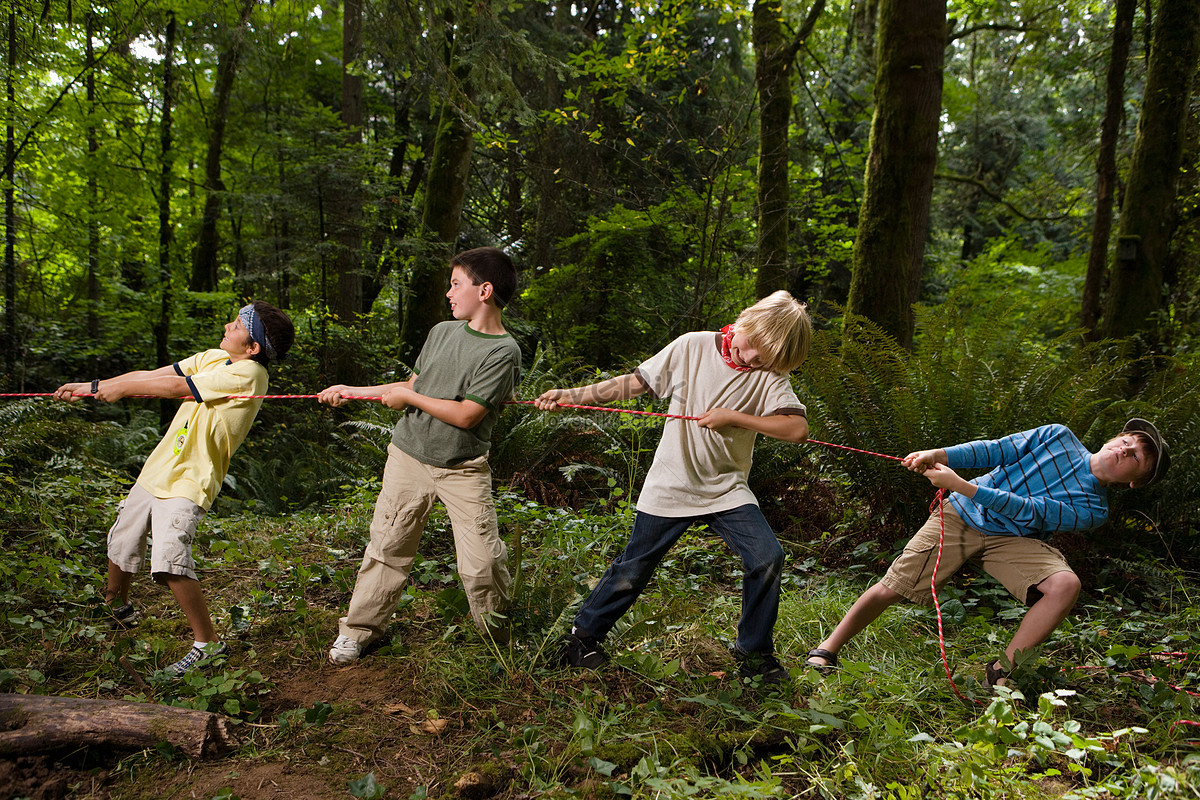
(438, 707)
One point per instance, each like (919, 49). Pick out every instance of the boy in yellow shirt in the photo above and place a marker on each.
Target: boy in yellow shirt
(182, 477)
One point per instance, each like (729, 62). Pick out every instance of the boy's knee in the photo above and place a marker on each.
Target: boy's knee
(882, 594)
(1062, 586)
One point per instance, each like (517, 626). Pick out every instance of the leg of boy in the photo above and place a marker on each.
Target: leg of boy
(190, 597)
(127, 543)
(909, 576)
(404, 502)
(1037, 574)
(466, 491)
(625, 579)
(747, 531)
(119, 581)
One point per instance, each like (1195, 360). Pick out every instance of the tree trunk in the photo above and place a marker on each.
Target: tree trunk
(205, 256)
(32, 724)
(10, 211)
(162, 328)
(774, 57)
(445, 193)
(890, 246)
(1135, 292)
(1106, 163)
(347, 214)
(93, 222)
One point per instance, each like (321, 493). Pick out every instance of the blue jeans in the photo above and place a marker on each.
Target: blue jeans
(743, 528)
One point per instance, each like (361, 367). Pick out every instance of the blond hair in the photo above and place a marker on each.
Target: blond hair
(779, 326)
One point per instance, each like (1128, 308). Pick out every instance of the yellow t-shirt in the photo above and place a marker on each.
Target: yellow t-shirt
(193, 457)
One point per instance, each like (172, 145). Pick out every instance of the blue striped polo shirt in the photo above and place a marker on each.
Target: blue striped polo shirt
(1040, 482)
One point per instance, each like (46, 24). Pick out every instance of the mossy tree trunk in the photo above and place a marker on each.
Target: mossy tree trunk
(10, 209)
(348, 211)
(774, 57)
(445, 193)
(441, 214)
(1135, 293)
(892, 224)
(205, 258)
(162, 327)
(1106, 162)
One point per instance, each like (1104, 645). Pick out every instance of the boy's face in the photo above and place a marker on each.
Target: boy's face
(237, 342)
(1126, 459)
(743, 353)
(466, 299)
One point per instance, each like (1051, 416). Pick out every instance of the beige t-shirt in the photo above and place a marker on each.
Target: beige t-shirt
(697, 470)
(192, 459)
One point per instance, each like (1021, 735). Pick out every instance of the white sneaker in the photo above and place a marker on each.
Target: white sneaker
(345, 651)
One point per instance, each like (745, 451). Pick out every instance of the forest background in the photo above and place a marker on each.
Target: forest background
(990, 207)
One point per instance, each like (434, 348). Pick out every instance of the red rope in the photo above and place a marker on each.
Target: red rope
(937, 501)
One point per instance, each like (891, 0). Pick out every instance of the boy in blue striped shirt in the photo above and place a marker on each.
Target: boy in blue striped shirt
(1040, 481)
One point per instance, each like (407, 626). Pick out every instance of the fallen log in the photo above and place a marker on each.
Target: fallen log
(40, 724)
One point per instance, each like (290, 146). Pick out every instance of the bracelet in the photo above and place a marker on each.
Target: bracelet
(95, 385)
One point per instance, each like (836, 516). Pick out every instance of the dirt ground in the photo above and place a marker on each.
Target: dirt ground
(400, 744)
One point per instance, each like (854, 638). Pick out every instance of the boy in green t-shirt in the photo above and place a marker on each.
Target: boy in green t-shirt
(466, 370)
(182, 477)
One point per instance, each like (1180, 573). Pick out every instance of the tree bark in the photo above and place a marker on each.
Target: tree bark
(162, 328)
(93, 222)
(205, 256)
(347, 215)
(10, 210)
(32, 724)
(1135, 292)
(445, 194)
(892, 223)
(774, 58)
(1106, 163)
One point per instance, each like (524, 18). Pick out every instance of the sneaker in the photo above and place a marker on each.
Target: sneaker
(582, 651)
(764, 666)
(199, 657)
(125, 616)
(345, 651)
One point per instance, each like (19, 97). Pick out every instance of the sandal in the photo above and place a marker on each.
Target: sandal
(993, 674)
(830, 658)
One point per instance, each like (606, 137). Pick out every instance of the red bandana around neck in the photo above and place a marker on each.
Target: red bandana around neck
(726, 339)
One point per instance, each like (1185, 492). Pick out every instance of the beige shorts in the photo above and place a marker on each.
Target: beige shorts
(1018, 562)
(172, 525)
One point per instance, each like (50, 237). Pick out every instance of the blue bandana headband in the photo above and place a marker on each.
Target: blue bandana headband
(258, 334)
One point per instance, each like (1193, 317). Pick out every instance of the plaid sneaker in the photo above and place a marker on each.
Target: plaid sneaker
(199, 657)
(764, 666)
(345, 651)
(582, 651)
(125, 616)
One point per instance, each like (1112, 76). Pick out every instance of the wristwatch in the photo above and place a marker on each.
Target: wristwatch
(95, 385)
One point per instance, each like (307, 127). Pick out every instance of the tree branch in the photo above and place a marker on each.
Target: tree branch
(992, 193)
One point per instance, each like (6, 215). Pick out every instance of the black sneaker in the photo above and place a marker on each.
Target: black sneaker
(582, 651)
(125, 616)
(764, 666)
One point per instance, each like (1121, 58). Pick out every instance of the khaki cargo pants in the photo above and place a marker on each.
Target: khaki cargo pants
(410, 488)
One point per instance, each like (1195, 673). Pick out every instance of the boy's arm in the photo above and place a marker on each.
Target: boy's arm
(1039, 512)
(788, 427)
(459, 413)
(340, 394)
(622, 387)
(161, 382)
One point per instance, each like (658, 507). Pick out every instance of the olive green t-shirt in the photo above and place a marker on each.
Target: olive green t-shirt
(458, 363)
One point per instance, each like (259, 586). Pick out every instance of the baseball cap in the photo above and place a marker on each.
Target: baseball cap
(1162, 458)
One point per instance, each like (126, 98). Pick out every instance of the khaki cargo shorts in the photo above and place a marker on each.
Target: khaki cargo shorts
(171, 523)
(1018, 562)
